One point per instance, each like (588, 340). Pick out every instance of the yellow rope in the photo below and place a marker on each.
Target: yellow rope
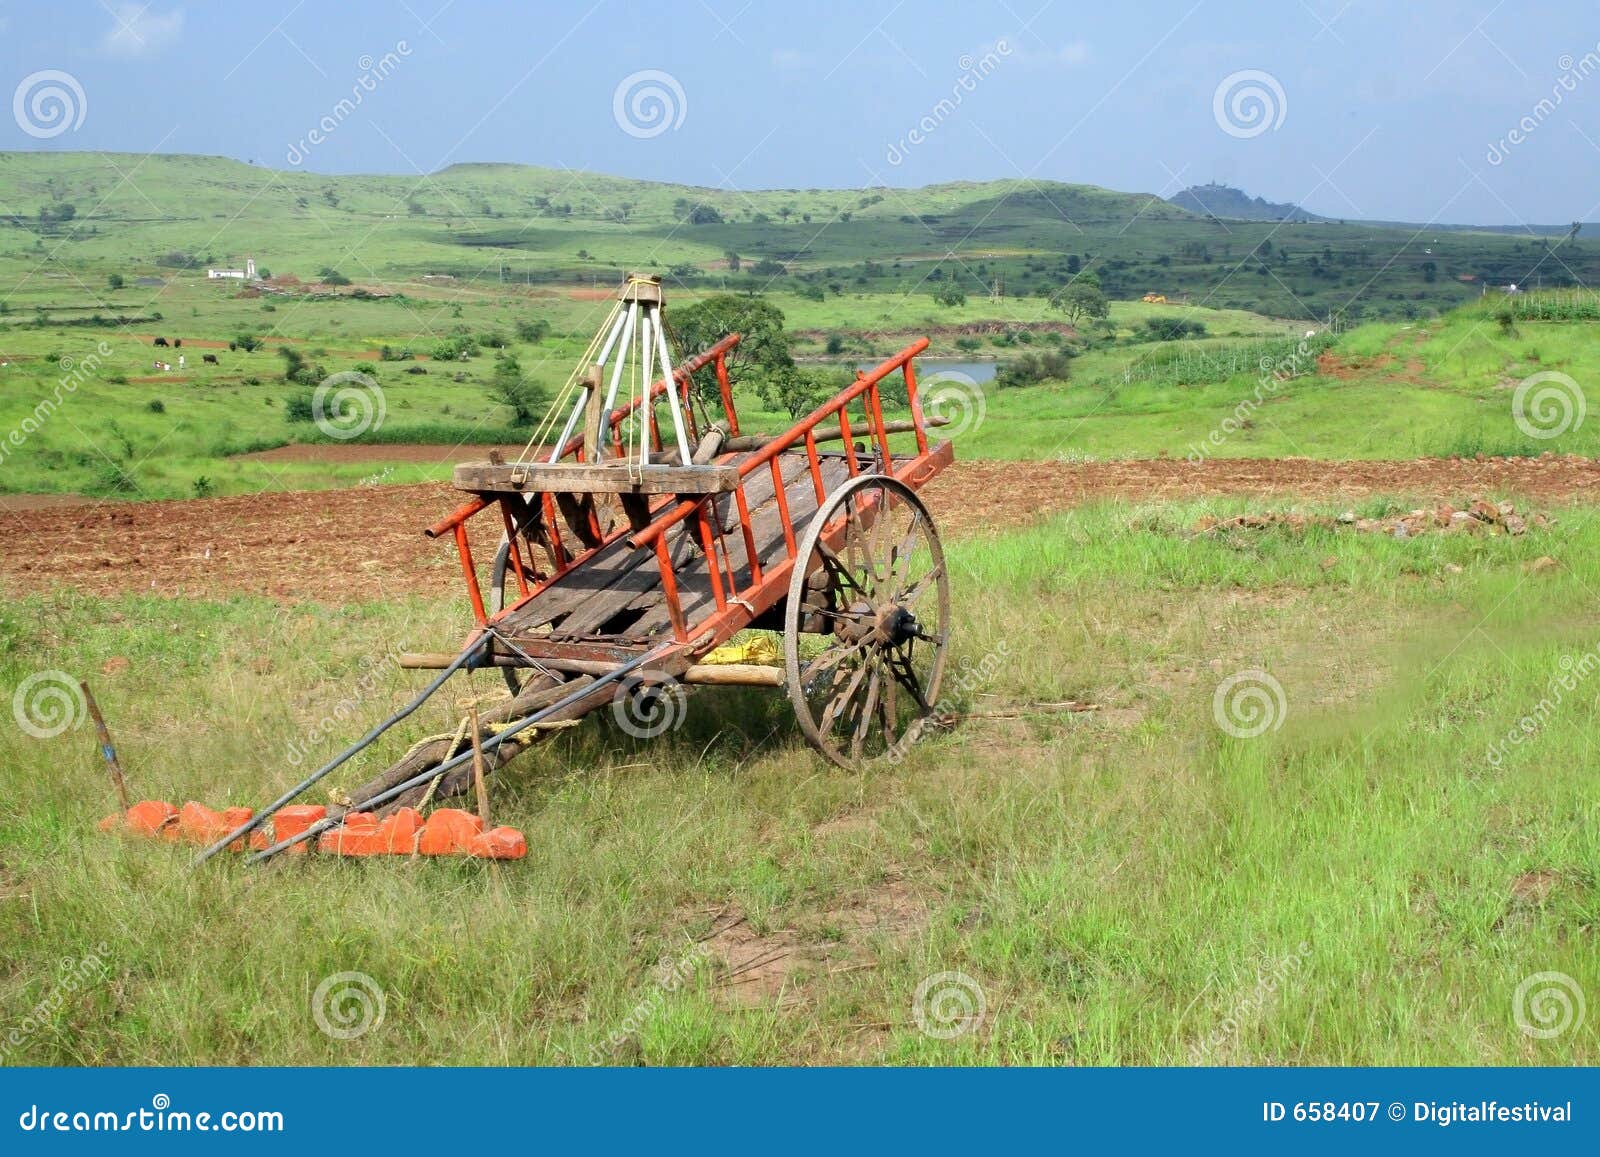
(556, 414)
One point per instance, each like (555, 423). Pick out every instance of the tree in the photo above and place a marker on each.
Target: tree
(1081, 301)
(950, 295)
(733, 261)
(1430, 272)
(763, 346)
(526, 399)
(115, 281)
(794, 391)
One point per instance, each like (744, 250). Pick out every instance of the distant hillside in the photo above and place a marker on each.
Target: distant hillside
(1236, 205)
(91, 216)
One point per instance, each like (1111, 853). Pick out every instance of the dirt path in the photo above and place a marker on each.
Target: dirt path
(366, 542)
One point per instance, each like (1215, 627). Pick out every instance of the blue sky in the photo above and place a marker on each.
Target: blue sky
(1369, 109)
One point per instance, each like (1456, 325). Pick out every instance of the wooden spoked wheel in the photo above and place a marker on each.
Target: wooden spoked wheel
(866, 625)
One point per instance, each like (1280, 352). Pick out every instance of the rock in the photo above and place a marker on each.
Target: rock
(1514, 524)
(1541, 564)
(1347, 517)
(1452, 568)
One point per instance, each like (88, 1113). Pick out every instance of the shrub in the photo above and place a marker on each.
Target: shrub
(156, 406)
(1032, 368)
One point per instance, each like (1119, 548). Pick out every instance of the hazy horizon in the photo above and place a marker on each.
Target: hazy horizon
(1441, 113)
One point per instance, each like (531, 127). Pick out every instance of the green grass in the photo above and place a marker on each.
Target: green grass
(1115, 880)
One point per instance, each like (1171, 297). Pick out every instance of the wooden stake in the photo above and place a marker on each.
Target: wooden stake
(477, 770)
(117, 779)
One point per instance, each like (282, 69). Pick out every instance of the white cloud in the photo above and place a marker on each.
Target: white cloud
(136, 31)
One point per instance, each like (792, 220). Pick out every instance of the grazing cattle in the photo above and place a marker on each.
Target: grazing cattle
(160, 341)
(176, 342)
(210, 359)
(233, 347)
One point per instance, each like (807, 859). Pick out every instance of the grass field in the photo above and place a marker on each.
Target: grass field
(1121, 884)
(114, 427)
(1329, 801)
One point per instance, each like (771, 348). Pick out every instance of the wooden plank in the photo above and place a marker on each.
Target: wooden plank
(694, 582)
(602, 478)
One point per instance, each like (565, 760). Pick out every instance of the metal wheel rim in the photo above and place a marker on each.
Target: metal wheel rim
(497, 598)
(905, 702)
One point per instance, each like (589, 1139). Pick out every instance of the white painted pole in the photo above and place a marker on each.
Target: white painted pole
(622, 357)
(647, 407)
(672, 392)
(583, 394)
(616, 329)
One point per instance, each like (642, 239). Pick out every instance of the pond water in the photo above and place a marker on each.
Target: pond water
(978, 371)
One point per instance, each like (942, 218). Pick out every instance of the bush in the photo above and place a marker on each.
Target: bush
(532, 330)
(299, 408)
(835, 344)
(1171, 328)
(1032, 368)
(156, 406)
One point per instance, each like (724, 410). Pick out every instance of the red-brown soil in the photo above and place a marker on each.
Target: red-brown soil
(366, 542)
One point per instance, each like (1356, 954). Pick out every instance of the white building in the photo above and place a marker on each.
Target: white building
(248, 273)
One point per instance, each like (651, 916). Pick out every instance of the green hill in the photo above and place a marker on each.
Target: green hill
(85, 216)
